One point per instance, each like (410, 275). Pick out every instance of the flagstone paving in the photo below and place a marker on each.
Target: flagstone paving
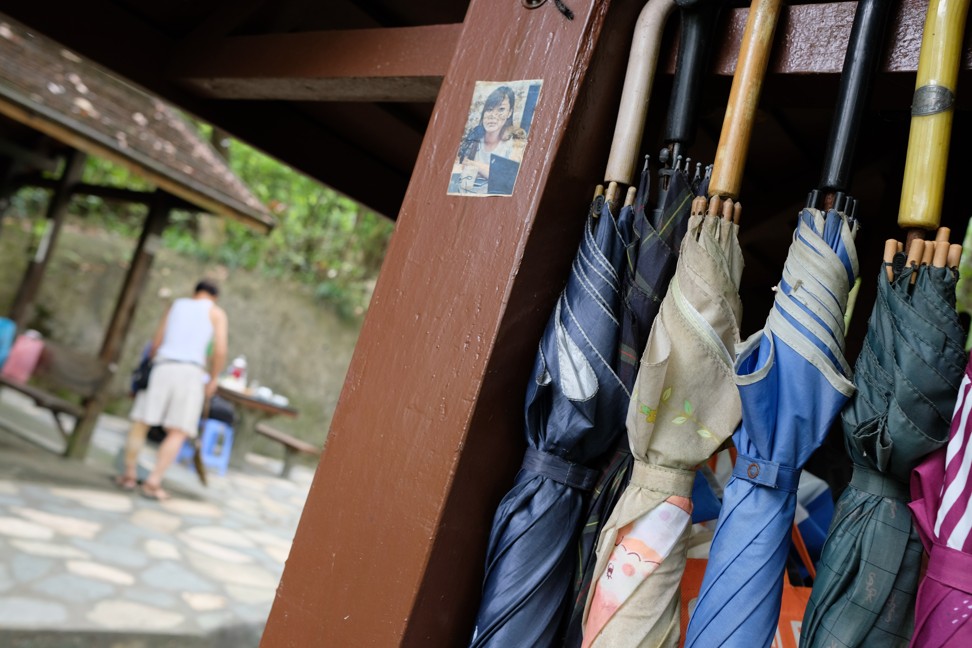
(80, 557)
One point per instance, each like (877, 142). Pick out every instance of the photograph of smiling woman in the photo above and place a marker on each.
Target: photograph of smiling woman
(494, 142)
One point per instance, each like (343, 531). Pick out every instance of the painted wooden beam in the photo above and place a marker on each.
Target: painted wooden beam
(427, 435)
(390, 64)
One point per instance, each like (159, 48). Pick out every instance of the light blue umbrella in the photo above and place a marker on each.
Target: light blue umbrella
(793, 381)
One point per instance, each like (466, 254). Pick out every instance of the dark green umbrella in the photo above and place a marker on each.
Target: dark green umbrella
(907, 377)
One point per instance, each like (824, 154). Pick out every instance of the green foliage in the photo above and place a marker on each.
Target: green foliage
(323, 239)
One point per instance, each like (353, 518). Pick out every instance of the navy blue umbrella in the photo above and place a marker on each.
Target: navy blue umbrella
(575, 409)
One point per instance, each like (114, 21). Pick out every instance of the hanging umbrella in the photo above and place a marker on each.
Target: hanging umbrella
(906, 379)
(792, 383)
(658, 234)
(575, 405)
(685, 404)
(942, 505)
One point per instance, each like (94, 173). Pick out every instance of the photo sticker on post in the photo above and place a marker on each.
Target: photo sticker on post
(494, 138)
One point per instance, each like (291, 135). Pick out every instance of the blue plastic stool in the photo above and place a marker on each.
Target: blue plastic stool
(216, 442)
(8, 331)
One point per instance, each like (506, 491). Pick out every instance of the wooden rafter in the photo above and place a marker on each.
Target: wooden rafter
(390, 64)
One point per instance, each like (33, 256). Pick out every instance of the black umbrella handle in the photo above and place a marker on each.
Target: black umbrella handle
(698, 19)
(860, 65)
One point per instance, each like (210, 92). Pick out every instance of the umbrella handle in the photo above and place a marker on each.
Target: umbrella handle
(698, 18)
(640, 74)
(861, 62)
(747, 82)
(923, 186)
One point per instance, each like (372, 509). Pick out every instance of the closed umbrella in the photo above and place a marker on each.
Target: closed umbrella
(939, 486)
(942, 505)
(792, 380)
(575, 405)
(685, 404)
(658, 234)
(906, 379)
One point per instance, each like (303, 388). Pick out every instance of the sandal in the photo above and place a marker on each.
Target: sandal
(155, 493)
(126, 483)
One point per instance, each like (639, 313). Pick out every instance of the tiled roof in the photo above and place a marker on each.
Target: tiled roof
(52, 90)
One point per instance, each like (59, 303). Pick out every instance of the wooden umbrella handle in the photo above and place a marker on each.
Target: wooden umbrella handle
(931, 114)
(747, 82)
(638, 78)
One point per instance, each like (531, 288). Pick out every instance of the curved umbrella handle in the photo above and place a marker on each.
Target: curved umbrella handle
(638, 79)
(737, 127)
(931, 114)
(860, 64)
(697, 31)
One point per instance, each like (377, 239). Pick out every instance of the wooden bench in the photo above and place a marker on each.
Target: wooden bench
(292, 446)
(63, 368)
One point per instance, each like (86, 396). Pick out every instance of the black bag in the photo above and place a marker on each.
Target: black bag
(140, 377)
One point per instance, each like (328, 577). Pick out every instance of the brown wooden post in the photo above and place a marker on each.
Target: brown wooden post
(427, 435)
(23, 303)
(121, 319)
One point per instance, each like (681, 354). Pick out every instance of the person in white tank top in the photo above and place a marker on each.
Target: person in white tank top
(177, 387)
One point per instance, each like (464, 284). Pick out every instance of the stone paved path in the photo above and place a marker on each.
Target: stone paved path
(80, 557)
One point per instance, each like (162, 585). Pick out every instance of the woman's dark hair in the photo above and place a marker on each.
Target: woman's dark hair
(207, 286)
(470, 145)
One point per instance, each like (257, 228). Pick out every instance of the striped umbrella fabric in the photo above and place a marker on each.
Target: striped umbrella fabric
(575, 407)
(684, 406)
(650, 264)
(792, 379)
(906, 378)
(942, 504)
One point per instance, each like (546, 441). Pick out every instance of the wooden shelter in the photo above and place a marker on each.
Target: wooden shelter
(57, 108)
(371, 98)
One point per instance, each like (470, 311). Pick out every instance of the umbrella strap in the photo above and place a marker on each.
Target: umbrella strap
(950, 567)
(558, 469)
(875, 483)
(662, 479)
(766, 473)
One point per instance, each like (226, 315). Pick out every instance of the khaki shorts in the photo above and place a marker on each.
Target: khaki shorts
(173, 399)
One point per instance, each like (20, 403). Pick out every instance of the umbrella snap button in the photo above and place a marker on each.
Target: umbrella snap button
(752, 470)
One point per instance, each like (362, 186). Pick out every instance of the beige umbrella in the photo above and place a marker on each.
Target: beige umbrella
(671, 430)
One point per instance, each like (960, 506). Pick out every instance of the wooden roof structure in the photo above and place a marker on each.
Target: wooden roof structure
(54, 91)
(370, 97)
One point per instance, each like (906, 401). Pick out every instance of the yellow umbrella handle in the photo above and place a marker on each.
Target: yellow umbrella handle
(931, 114)
(737, 127)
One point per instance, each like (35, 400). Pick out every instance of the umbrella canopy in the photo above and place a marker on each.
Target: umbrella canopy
(574, 410)
(658, 235)
(651, 264)
(906, 380)
(942, 505)
(792, 380)
(684, 406)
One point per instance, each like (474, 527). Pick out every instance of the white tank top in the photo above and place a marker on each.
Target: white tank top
(188, 331)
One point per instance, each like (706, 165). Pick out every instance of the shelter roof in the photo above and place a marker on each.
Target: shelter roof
(53, 90)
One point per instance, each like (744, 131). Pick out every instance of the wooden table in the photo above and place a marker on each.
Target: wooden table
(250, 411)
